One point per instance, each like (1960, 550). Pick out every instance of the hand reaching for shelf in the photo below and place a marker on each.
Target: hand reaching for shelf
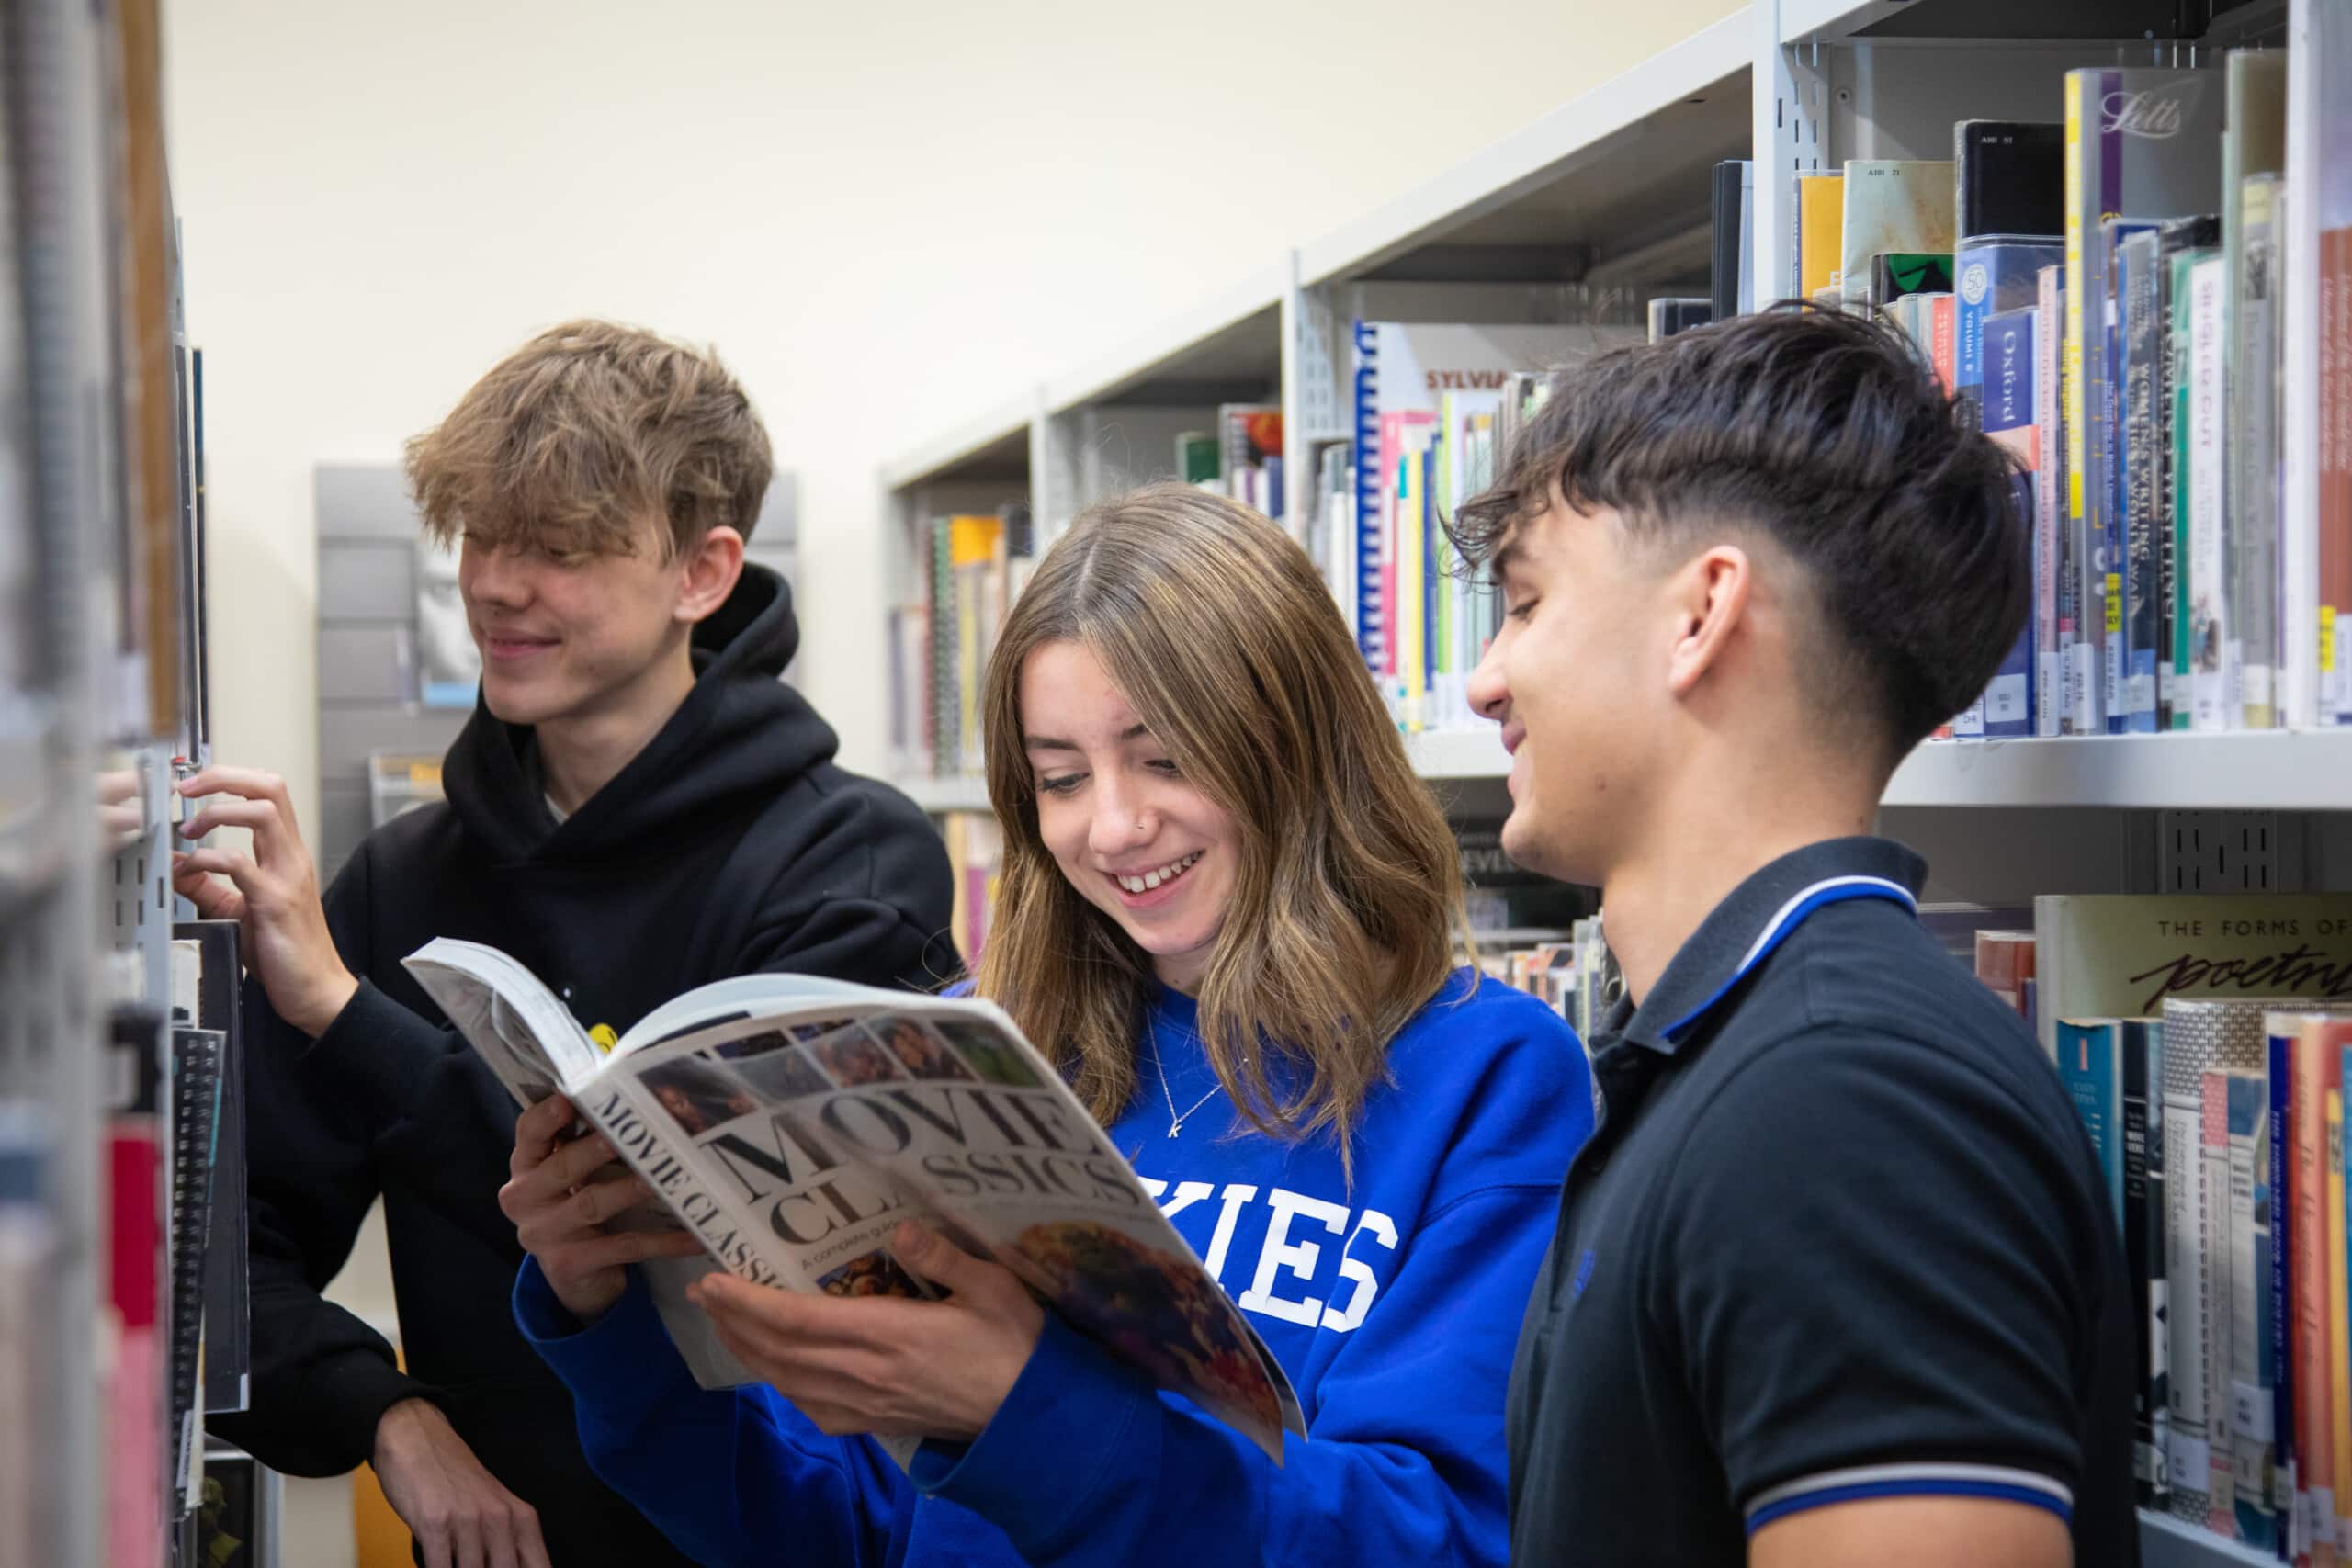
(271, 893)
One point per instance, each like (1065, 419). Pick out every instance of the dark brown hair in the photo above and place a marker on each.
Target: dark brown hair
(1218, 631)
(1828, 434)
(579, 438)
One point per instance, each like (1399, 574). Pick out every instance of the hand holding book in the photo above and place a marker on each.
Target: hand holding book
(564, 1194)
(880, 1364)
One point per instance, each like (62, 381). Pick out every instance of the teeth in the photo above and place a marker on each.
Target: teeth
(1166, 873)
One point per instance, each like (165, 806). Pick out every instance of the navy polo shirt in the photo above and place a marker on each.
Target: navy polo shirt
(1838, 1235)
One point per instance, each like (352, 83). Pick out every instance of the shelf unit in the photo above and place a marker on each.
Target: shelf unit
(1613, 187)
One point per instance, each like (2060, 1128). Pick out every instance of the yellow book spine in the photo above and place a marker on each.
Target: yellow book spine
(1821, 206)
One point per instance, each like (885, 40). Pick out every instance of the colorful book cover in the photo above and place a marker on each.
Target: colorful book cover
(2108, 955)
(1895, 274)
(1400, 367)
(2144, 1222)
(1937, 310)
(2139, 457)
(1821, 214)
(2054, 711)
(2339, 1332)
(2145, 142)
(2011, 396)
(1991, 277)
(2287, 1499)
(1891, 204)
(2180, 244)
(2249, 1278)
(2212, 693)
(2104, 534)
(2197, 1043)
(2317, 1074)
(2090, 1064)
(2253, 504)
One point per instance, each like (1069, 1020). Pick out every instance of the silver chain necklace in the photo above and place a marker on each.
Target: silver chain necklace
(1176, 1118)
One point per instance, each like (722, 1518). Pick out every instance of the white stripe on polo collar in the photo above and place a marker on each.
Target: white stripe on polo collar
(1830, 890)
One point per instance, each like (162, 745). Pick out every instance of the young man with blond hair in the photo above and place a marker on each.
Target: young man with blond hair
(637, 805)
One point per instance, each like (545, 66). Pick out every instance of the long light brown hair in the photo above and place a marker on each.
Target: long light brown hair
(1216, 630)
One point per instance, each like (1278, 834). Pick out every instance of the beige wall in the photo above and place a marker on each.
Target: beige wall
(887, 217)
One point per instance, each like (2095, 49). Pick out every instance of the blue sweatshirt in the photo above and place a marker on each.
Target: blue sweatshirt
(1393, 1307)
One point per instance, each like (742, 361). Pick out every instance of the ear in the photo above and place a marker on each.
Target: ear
(1709, 595)
(711, 572)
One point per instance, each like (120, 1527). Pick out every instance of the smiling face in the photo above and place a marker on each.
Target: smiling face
(568, 637)
(1137, 841)
(1576, 678)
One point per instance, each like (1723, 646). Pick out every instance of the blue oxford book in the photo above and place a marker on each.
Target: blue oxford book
(1990, 276)
(2008, 406)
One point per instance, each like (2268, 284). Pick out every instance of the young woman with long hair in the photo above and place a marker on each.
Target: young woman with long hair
(1227, 913)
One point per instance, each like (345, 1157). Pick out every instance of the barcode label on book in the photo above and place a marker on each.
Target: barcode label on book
(2005, 700)
(2250, 1412)
(2192, 1463)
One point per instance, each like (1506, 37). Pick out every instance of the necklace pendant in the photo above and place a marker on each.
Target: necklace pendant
(1175, 1128)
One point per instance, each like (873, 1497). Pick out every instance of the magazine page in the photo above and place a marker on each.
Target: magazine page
(812, 1135)
(744, 997)
(510, 1017)
(972, 1127)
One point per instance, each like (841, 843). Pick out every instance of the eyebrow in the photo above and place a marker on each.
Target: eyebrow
(1056, 743)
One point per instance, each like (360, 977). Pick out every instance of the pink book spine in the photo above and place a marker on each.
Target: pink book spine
(2314, 1075)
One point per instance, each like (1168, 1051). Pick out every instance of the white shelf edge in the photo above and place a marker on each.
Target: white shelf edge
(1459, 753)
(962, 793)
(2168, 1542)
(956, 444)
(2279, 770)
(1831, 20)
(1203, 317)
(1506, 169)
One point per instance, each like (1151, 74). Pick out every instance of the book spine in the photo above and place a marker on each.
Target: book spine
(2144, 1222)
(2249, 1261)
(2286, 1496)
(2256, 435)
(2185, 1192)
(2106, 495)
(2050, 711)
(2086, 152)
(2140, 449)
(2221, 1516)
(2208, 578)
(2339, 1331)
(1370, 500)
(2307, 1350)
(2173, 492)
(2335, 432)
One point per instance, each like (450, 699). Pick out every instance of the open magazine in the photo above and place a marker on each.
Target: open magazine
(792, 1122)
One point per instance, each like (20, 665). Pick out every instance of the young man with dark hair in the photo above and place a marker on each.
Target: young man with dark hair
(637, 805)
(1835, 1281)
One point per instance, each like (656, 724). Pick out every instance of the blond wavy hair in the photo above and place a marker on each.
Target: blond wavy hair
(1346, 897)
(576, 440)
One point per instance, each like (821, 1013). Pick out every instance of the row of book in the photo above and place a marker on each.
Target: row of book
(1436, 408)
(2202, 1040)
(972, 568)
(2106, 292)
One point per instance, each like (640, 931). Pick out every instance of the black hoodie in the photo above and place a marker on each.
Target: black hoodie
(732, 844)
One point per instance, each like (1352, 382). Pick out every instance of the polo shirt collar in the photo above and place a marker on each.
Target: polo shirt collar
(1756, 918)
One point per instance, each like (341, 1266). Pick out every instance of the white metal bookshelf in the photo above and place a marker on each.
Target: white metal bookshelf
(1613, 185)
